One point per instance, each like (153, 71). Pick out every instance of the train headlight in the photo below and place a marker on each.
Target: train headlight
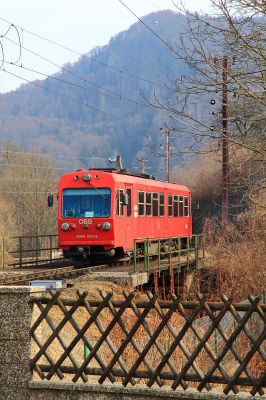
(65, 226)
(106, 226)
(86, 177)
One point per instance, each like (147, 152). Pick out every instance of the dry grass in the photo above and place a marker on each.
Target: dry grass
(238, 254)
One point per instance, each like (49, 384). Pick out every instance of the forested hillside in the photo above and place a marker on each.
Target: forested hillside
(40, 119)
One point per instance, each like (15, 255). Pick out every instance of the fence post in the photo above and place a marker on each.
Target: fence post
(51, 247)
(179, 251)
(197, 247)
(20, 251)
(146, 255)
(159, 257)
(86, 352)
(36, 249)
(135, 255)
(188, 252)
(3, 253)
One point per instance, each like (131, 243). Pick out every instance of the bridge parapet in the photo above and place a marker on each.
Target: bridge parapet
(134, 346)
(156, 343)
(70, 391)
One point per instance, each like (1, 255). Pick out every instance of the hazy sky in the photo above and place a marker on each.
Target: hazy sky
(78, 24)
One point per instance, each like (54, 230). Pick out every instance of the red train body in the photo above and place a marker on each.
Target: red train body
(104, 211)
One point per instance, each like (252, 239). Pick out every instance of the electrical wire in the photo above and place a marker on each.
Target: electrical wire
(65, 96)
(87, 56)
(67, 82)
(20, 43)
(29, 179)
(147, 26)
(15, 192)
(118, 95)
(6, 164)
(5, 150)
(30, 166)
(155, 5)
(84, 88)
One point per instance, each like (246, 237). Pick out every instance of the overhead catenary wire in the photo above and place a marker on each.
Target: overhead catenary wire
(119, 70)
(11, 165)
(30, 180)
(148, 27)
(26, 153)
(66, 97)
(84, 81)
(31, 166)
(118, 95)
(35, 192)
(155, 5)
(115, 96)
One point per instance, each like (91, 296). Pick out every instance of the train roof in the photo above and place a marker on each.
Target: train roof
(126, 176)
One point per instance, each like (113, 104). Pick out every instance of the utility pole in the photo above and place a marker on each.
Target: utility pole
(167, 160)
(142, 161)
(167, 155)
(225, 152)
(225, 149)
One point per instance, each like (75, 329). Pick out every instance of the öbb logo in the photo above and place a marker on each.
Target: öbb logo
(85, 221)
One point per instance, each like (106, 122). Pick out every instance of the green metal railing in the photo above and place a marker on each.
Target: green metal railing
(23, 250)
(178, 251)
(156, 253)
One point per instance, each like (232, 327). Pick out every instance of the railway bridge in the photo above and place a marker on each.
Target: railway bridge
(125, 346)
(34, 257)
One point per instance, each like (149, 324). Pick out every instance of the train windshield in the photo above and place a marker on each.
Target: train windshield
(86, 203)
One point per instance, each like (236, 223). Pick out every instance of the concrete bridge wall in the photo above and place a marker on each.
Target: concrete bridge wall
(15, 374)
(69, 391)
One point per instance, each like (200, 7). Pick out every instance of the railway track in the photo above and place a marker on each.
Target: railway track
(14, 278)
(124, 267)
(20, 276)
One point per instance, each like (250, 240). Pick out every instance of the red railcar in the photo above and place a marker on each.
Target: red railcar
(104, 211)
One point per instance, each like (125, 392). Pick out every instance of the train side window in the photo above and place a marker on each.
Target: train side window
(181, 206)
(175, 206)
(129, 206)
(161, 204)
(119, 202)
(170, 205)
(148, 204)
(186, 207)
(155, 204)
(141, 204)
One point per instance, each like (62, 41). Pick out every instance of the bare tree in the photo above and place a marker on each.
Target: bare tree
(220, 104)
(236, 32)
(26, 180)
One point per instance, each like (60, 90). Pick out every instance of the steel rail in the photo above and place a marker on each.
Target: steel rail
(49, 274)
(21, 278)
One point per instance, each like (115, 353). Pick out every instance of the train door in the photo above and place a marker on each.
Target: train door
(129, 217)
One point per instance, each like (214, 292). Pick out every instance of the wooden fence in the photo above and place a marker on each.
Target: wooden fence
(138, 339)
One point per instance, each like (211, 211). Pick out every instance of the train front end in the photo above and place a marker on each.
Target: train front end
(85, 215)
